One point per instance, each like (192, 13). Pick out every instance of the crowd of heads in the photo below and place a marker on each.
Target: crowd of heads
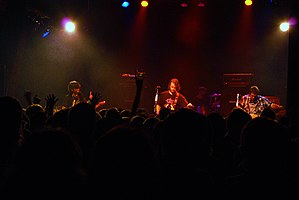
(112, 152)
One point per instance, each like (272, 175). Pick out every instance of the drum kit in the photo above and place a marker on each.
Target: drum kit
(215, 106)
(215, 102)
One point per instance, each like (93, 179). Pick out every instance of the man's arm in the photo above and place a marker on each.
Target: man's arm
(136, 102)
(185, 103)
(158, 108)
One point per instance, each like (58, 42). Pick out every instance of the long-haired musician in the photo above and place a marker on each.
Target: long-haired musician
(172, 98)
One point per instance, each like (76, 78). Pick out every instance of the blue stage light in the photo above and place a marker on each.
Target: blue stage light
(46, 33)
(125, 4)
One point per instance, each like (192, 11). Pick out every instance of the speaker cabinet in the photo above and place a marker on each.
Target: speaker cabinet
(233, 85)
(127, 92)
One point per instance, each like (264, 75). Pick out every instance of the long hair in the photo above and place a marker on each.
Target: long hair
(175, 81)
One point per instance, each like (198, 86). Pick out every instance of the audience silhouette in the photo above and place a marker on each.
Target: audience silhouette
(116, 153)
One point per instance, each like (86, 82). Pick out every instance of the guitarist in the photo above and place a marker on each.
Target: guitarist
(254, 103)
(171, 98)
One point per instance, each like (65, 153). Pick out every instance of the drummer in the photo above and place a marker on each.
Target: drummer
(201, 101)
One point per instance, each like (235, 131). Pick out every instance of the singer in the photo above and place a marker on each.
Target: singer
(74, 95)
(171, 98)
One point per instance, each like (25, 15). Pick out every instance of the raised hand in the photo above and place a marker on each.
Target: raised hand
(94, 98)
(139, 78)
(51, 100)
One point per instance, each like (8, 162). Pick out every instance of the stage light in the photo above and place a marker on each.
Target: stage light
(194, 3)
(125, 4)
(68, 25)
(144, 3)
(248, 2)
(293, 21)
(184, 5)
(46, 33)
(201, 4)
(41, 24)
(284, 27)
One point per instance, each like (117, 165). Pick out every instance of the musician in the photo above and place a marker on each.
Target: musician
(74, 95)
(171, 98)
(202, 101)
(254, 103)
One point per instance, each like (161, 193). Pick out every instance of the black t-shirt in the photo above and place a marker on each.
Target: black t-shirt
(167, 100)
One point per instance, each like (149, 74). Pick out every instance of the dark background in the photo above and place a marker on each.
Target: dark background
(196, 45)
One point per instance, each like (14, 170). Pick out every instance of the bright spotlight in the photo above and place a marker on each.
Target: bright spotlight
(125, 4)
(284, 27)
(70, 27)
(248, 2)
(144, 3)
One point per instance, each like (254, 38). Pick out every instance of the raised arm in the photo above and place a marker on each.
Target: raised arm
(136, 102)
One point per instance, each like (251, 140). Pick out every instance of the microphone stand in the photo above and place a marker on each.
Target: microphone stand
(156, 98)
(237, 102)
